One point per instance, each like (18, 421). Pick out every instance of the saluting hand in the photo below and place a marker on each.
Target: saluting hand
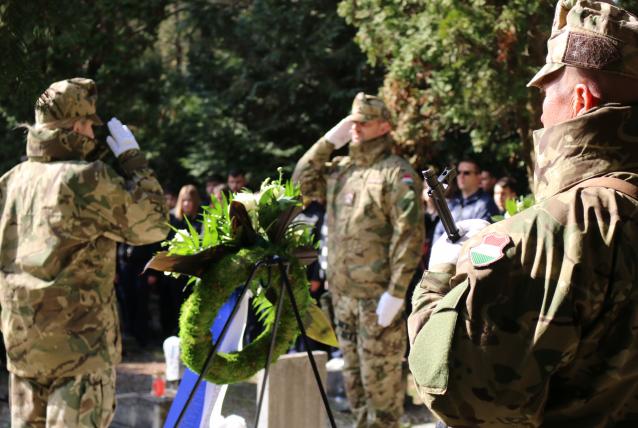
(339, 135)
(121, 138)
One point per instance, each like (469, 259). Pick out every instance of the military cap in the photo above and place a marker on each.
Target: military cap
(68, 99)
(368, 107)
(595, 35)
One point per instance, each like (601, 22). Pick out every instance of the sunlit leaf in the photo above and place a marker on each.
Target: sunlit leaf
(318, 327)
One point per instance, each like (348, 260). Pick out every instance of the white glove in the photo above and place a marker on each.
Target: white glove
(121, 139)
(339, 135)
(388, 308)
(445, 251)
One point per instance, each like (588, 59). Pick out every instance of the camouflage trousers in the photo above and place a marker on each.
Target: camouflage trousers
(373, 357)
(79, 401)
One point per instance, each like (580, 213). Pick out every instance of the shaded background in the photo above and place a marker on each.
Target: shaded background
(208, 85)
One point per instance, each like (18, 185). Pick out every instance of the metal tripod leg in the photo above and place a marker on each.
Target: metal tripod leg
(219, 340)
(271, 348)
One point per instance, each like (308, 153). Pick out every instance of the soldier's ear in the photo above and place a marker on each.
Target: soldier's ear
(583, 99)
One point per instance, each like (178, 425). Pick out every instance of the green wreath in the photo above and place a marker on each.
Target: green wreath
(217, 284)
(236, 235)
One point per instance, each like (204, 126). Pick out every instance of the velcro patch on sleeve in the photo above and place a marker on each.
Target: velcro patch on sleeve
(407, 179)
(489, 250)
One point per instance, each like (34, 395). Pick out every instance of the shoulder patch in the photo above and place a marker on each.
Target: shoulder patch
(407, 179)
(489, 250)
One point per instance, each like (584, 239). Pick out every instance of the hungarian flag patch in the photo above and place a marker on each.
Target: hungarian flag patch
(407, 179)
(489, 250)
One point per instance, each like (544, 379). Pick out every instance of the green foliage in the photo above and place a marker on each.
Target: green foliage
(457, 73)
(216, 230)
(204, 86)
(286, 74)
(457, 70)
(275, 199)
(264, 310)
(209, 295)
(216, 223)
(515, 206)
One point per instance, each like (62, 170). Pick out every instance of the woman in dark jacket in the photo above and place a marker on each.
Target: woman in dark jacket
(172, 290)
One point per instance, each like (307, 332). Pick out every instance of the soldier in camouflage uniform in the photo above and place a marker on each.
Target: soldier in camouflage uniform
(62, 211)
(375, 230)
(537, 322)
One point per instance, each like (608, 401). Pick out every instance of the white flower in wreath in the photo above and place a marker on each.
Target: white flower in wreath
(180, 235)
(248, 200)
(251, 202)
(277, 189)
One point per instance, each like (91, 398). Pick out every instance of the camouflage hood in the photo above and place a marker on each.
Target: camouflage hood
(46, 145)
(601, 141)
(367, 152)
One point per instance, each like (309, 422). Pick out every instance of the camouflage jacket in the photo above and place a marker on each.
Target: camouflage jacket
(547, 334)
(60, 218)
(374, 216)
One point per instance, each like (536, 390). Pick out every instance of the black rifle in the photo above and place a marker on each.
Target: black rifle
(436, 193)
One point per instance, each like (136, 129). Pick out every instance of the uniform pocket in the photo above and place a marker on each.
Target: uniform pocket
(429, 356)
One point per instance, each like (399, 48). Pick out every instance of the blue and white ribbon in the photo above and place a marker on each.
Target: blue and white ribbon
(204, 410)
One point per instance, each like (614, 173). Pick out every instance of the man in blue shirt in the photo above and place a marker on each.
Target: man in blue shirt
(470, 201)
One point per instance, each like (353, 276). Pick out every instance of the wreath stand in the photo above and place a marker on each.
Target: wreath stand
(282, 265)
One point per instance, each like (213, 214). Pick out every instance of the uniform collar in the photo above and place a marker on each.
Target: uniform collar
(601, 141)
(368, 152)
